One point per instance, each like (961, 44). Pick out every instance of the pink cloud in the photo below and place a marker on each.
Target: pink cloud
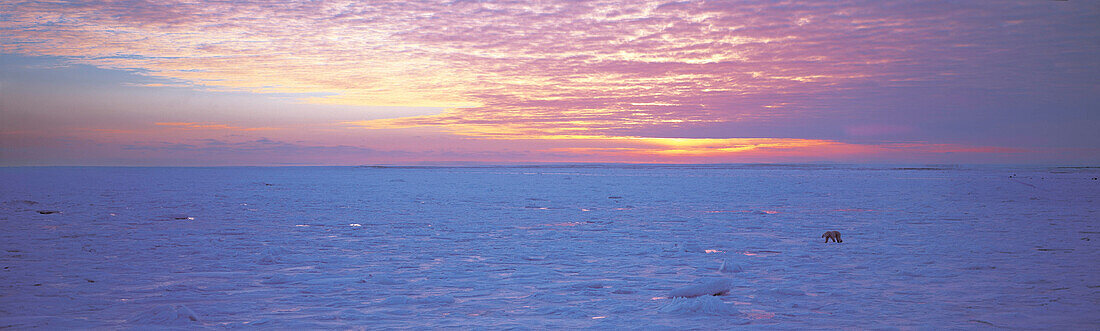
(516, 70)
(518, 64)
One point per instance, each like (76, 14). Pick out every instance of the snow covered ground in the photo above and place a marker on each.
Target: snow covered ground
(551, 247)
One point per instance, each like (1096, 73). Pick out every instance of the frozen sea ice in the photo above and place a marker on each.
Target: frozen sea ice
(711, 286)
(706, 305)
(730, 266)
(174, 315)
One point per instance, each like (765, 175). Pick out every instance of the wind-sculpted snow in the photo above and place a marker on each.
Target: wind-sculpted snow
(715, 286)
(161, 316)
(701, 305)
(604, 247)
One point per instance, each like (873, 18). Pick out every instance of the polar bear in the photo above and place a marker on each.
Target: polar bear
(834, 235)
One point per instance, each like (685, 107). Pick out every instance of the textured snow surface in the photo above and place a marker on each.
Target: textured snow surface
(166, 316)
(708, 305)
(712, 286)
(550, 247)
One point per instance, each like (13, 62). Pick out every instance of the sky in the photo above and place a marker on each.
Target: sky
(208, 83)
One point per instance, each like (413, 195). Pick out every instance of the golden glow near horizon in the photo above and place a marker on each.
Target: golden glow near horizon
(608, 78)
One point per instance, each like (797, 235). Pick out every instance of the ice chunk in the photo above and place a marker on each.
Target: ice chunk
(693, 248)
(180, 217)
(177, 315)
(268, 258)
(711, 286)
(707, 305)
(672, 248)
(274, 255)
(730, 266)
(684, 247)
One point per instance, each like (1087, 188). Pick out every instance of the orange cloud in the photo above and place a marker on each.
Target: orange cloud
(674, 149)
(599, 78)
(545, 67)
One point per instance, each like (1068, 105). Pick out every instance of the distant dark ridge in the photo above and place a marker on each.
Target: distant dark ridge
(921, 168)
(617, 166)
